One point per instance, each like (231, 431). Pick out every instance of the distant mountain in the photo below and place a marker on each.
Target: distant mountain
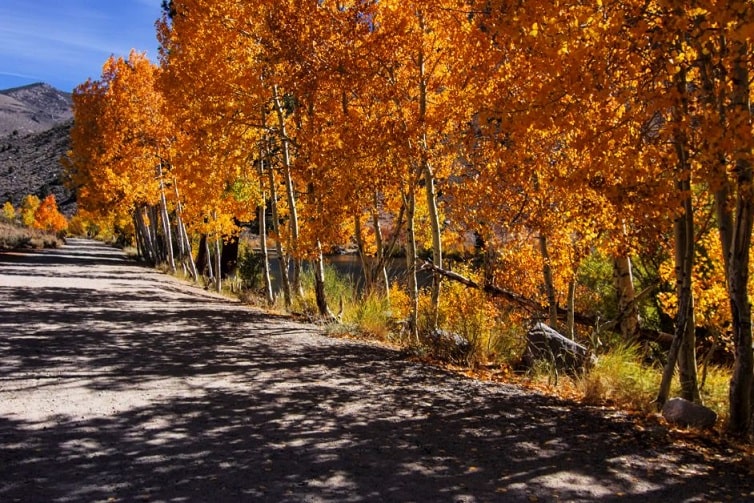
(35, 125)
(33, 109)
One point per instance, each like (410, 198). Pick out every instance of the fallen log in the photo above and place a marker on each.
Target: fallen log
(645, 334)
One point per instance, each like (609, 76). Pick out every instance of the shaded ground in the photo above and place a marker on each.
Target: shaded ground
(120, 384)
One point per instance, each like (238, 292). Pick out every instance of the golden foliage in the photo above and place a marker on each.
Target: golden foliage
(8, 212)
(575, 122)
(29, 206)
(47, 216)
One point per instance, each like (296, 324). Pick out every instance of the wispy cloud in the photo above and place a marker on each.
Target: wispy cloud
(67, 41)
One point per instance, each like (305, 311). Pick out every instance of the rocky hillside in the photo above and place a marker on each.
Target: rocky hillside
(35, 123)
(33, 109)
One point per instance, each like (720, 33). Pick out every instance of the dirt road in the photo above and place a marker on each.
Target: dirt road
(121, 384)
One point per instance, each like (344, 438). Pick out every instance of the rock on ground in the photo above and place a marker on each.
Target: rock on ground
(685, 413)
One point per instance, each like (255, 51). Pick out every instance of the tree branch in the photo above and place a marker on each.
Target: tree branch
(646, 334)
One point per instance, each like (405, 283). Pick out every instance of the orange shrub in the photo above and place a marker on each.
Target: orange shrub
(47, 217)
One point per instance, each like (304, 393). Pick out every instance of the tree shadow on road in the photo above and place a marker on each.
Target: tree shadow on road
(174, 397)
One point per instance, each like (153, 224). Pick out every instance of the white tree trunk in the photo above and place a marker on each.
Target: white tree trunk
(628, 309)
(290, 193)
(166, 221)
(411, 256)
(281, 252)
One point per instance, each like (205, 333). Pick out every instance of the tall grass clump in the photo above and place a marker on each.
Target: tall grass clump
(338, 289)
(371, 315)
(714, 391)
(621, 378)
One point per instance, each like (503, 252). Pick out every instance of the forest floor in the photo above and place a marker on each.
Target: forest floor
(118, 383)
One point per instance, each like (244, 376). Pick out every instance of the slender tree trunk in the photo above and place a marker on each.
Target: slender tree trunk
(282, 257)
(209, 266)
(143, 231)
(669, 368)
(725, 223)
(411, 257)
(179, 237)
(203, 257)
(571, 309)
(187, 255)
(139, 238)
(263, 152)
(735, 238)
(429, 185)
(685, 337)
(434, 219)
(392, 246)
(180, 241)
(146, 238)
(366, 268)
(154, 234)
(218, 264)
(166, 221)
(265, 254)
(159, 249)
(291, 195)
(263, 247)
(552, 300)
(741, 381)
(686, 326)
(319, 285)
(380, 268)
(229, 255)
(685, 249)
(628, 309)
(741, 385)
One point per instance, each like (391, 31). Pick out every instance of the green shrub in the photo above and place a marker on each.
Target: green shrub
(250, 269)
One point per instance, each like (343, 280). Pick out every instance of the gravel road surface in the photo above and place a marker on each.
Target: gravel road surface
(118, 383)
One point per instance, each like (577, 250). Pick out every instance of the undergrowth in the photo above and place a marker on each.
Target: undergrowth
(622, 377)
(489, 337)
(15, 237)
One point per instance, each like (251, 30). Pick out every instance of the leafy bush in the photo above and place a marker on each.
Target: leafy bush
(622, 378)
(465, 314)
(250, 268)
(8, 213)
(47, 217)
(29, 207)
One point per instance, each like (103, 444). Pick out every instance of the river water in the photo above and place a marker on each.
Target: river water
(349, 266)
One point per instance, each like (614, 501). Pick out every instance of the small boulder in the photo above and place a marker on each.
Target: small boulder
(545, 343)
(684, 413)
(450, 346)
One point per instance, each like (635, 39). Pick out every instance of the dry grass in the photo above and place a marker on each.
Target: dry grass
(621, 378)
(13, 237)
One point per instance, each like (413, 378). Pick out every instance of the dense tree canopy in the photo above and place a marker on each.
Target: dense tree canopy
(542, 133)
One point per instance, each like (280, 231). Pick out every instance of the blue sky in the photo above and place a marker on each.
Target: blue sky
(64, 42)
